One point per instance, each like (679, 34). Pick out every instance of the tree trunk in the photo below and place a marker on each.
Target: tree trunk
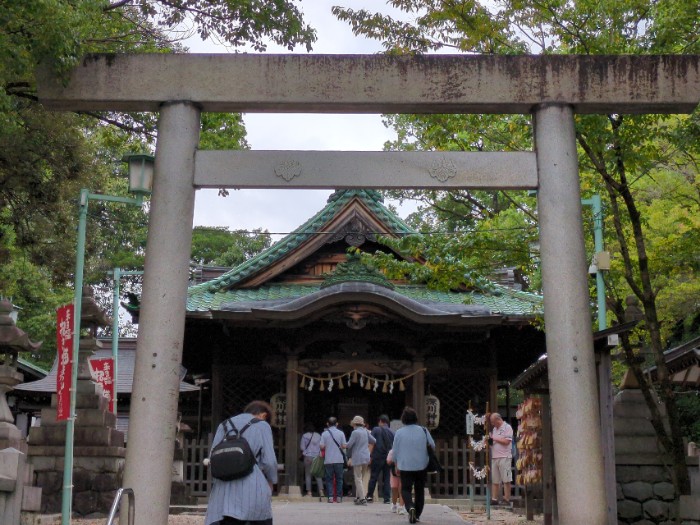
(641, 286)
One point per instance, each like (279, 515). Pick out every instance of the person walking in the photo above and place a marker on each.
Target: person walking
(247, 500)
(310, 446)
(361, 440)
(501, 458)
(411, 444)
(397, 504)
(384, 437)
(333, 444)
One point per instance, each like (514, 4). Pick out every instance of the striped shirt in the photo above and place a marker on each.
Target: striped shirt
(247, 498)
(333, 453)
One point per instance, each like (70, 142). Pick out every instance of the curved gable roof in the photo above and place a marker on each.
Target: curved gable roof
(337, 202)
(247, 288)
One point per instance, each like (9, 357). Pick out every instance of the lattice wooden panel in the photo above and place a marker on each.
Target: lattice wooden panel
(242, 385)
(455, 391)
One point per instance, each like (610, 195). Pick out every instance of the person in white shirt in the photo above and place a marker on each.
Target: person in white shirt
(310, 446)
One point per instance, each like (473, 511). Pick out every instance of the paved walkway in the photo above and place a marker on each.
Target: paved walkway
(317, 513)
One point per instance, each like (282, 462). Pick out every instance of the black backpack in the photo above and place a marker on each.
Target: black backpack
(232, 458)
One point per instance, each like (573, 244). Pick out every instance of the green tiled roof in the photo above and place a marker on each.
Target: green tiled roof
(31, 366)
(502, 301)
(371, 198)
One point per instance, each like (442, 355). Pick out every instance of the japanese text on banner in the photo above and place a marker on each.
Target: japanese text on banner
(64, 346)
(102, 372)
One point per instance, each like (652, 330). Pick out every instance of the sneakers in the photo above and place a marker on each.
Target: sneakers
(412, 515)
(370, 500)
(394, 507)
(401, 511)
(330, 500)
(359, 501)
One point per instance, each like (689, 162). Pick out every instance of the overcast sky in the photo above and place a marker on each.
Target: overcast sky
(284, 210)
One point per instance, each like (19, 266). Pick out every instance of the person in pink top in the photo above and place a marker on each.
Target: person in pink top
(395, 481)
(501, 458)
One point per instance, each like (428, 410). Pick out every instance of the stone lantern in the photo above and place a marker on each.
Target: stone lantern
(12, 341)
(92, 317)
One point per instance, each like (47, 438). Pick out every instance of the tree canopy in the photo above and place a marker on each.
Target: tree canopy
(47, 157)
(644, 166)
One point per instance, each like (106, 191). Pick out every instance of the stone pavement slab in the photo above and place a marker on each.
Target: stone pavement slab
(318, 513)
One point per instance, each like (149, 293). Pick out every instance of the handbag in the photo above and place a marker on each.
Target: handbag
(318, 469)
(434, 465)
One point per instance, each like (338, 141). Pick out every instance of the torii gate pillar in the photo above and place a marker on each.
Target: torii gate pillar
(574, 396)
(155, 395)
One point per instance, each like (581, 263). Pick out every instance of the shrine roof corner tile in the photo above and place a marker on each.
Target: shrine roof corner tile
(336, 202)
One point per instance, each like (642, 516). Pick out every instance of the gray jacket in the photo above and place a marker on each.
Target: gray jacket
(247, 498)
(358, 446)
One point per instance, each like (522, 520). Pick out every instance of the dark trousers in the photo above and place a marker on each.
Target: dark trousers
(334, 470)
(379, 466)
(228, 520)
(409, 480)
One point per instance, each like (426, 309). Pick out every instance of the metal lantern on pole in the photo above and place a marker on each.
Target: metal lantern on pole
(141, 167)
(140, 183)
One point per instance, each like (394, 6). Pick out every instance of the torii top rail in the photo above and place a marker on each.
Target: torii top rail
(380, 84)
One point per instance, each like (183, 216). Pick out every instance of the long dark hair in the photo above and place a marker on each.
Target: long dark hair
(409, 416)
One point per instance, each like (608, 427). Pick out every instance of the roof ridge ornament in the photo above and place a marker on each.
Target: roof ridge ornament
(374, 195)
(355, 269)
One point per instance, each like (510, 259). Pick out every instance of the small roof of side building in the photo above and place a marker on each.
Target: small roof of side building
(683, 363)
(125, 370)
(536, 375)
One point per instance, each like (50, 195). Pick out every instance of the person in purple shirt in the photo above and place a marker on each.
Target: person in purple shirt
(248, 500)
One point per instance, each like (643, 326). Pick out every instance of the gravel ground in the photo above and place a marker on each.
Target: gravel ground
(498, 517)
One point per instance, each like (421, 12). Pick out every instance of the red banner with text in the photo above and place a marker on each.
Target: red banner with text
(64, 344)
(102, 371)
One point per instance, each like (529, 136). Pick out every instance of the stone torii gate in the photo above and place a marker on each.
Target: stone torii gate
(551, 88)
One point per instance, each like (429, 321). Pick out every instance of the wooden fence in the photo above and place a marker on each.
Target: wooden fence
(456, 481)
(197, 476)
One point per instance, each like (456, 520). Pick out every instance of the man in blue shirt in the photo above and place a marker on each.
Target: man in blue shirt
(378, 465)
(333, 443)
(247, 500)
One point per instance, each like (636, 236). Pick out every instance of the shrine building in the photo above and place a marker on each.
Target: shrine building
(312, 329)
